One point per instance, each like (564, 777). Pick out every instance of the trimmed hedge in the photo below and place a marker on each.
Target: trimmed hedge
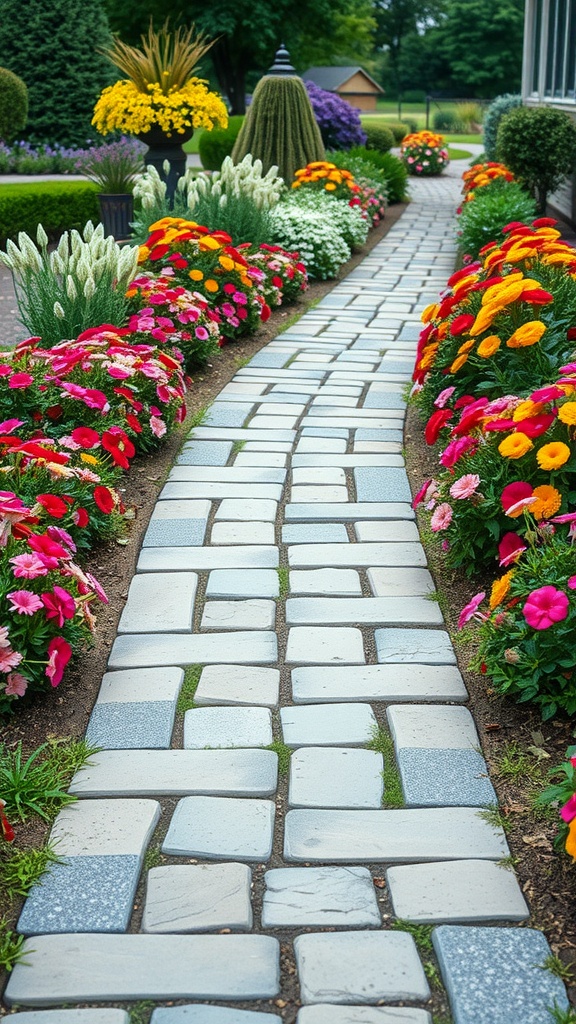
(215, 146)
(58, 206)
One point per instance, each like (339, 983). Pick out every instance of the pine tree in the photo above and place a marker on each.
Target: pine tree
(52, 45)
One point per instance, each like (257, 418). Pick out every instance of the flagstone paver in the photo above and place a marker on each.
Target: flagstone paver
(282, 562)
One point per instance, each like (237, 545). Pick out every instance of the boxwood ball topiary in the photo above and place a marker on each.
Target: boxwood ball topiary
(13, 105)
(215, 146)
(280, 127)
(380, 139)
(538, 144)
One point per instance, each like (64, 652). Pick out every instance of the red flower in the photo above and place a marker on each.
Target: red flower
(265, 312)
(20, 380)
(85, 437)
(534, 426)
(53, 504)
(37, 451)
(134, 423)
(59, 605)
(80, 517)
(47, 548)
(104, 499)
(119, 445)
(59, 654)
(437, 421)
(515, 492)
(6, 829)
(461, 323)
(510, 548)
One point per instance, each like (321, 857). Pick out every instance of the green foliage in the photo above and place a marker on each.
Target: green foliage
(470, 115)
(284, 754)
(482, 45)
(187, 693)
(37, 784)
(214, 146)
(446, 121)
(53, 45)
(383, 743)
(392, 169)
(538, 144)
(13, 105)
(380, 139)
(141, 1011)
(283, 581)
(493, 207)
(399, 130)
(58, 206)
(280, 128)
(560, 792)
(500, 106)
(11, 952)
(558, 968)
(561, 1016)
(21, 869)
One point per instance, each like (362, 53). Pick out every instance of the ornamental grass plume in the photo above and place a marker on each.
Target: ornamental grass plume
(168, 58)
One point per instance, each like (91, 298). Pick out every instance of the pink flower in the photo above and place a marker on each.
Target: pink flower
(470, 610)
(10, 425)
(545, 606)
(20, 380)
(97, 588)
(422, 494)
(9, 659)
(16, 685)
(59, 654)
(25, 602)
(515, 496)
(157, 426)
(62, 537)
(466, 486)
(4, 641)
(572, 583)
(59, 604)
(441, 517)
(547, 394)
(456, 449)
(28, 567)
(444, 396)
(510, 548)
(568, 811)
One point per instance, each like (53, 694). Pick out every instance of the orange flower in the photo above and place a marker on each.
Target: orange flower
(528, 334)
(465, 347)
(211, 285)
(430, 313)
(548, 501)
(526, 409)
(458, 363)
(553, 455)
(500, 588)
(571, 839)
(515, 446)
(567, 413)
(196, 275)
(489, 346)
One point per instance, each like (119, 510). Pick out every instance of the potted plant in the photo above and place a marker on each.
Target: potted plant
(114, 167)
(160, 100)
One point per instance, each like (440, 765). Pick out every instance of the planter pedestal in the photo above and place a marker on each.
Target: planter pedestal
(162, 148)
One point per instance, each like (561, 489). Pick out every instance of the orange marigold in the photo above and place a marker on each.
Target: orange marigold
(528, 334)
(489, 346)
(515, 446)
(548, 501)
(500, 588)
(553, 455)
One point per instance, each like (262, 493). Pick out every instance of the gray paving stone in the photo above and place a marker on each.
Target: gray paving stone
(267, 446)
(82, 894)
(439, 727)
(314, 533)
(235, 388)
(386, 484)
(330, 725)
(177, 772)
(405, 836)
(456, 892)
(160, 603)
(163, 532)
(256, 459)
(425, 646)
(251, 614)
(404, 610)
(354, 422)
(317, 897)
(375, 447)
(313, 445)
(227, 475)
(407, 582)
(225, 414)
(321, 494)
(442, 778)
(227, 727)
(361, 554)
(325, 581)
(198, 898)
(96, 1016)
(136, 724)
(146, 685)
(214, 491)
(350, 512)
(325, 1014)
(493, 975)
(325, 431)
(268, 359)
(376, 399)
(205, 453)
(257, 556)
(85, 968)
(364, 434)
(359, 417)
(335, 777)
(401, 530)
(310, 645)
(314, 474)
(211, 1015)
(259, 509)
(221, 829)
(243, 583)
(142, 650)
(346, 461)
(242, 533)
(238, 684)
(387, 682)
(274, 422)
(78, 832)
(359, 967)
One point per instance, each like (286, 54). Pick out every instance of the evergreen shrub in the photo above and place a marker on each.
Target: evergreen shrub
(393, 170)
(500, 106)
(13, 105)
(380, 139)
(216, 145)
(57, 205)
(538, 144)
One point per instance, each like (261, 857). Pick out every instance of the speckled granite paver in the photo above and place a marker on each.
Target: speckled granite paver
(282, 575)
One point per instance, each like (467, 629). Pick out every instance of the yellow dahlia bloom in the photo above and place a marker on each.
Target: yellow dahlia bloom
(458, 363)
(515, 446)
(553, 455)
(526, 409)
(527, 334)
(489, 346)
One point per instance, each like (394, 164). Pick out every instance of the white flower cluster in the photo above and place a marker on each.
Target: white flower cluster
(310, 233)
(243, 179)
(350, 221)
(150, 188)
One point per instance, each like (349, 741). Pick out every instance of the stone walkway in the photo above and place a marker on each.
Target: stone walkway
(282, 566)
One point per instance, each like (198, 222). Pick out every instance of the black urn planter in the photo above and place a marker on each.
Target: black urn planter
(116, 214)
(162, 148)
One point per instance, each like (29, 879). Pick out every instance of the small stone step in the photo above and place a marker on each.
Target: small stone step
(319, 897)
(242, 533)
(251, 614)
(455, 892)
(310, 555)
(325, 1014)
(243, 583)
(238, 684)
(227, 727)
(177, 523)
(423, 646)
(218, 828)
(242, 511)
(333, 725)
(197, 898)
(96, 1016)
(310, 645)
(205, 453)
(160, 603)
(104, 968)
(200, 1014)
(349, 611)
(142, 650)
(366, 967)
(184, 559)
(408, 583)
(351, 511)
(325, 581)
(335, 777)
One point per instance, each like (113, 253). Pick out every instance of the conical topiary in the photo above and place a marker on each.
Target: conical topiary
(280, 127)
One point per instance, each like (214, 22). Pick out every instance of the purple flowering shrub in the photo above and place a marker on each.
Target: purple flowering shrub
(339, 123)
(26, 158)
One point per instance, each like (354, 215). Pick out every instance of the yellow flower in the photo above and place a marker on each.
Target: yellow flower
(211, 285)
(527, 334)
(430, 313)
(483, 320)
(465, 347)
(571, 839)
(123, 107)
(196, 275)
(526, 409)
(548, 501)
(90, 459)
(208, 243)
(500, 588)
(515, 446)
(567, 413)
(226, 262)
(143, 253)
(489, 346)
(330, 186)
(553, 455)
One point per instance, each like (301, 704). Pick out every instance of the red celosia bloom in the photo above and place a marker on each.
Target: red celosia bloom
(104, 499)
(437, 421)
(54, 505)
(59, 654)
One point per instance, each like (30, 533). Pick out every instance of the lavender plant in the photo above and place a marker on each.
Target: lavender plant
(339, 123)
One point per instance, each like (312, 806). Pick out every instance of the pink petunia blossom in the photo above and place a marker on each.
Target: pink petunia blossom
(28, 566)
(545, 606)
(465, 486)
(441, 517)
(16, 685)
(444, 397)
(62, 537)
(510, 548)
(470, 610)
(571, 583)
(24, 602)
(59, 605)
(568, 811)
(4, 641)
(59, 654)
(20, 380)
(456, 449)
(157, 426)
(8, 426)
(97, 588)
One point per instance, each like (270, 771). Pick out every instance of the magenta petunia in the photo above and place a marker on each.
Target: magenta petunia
(545, 607)
(24, 602)
(510, 548)
(568, 811)
(470, 610)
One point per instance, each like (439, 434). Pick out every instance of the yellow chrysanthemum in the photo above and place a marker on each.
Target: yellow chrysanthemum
(527, 334)
(500, 588)
(567, 413)
(209, 244)
(211, 285)
(330, 186)
(196, 275)
(483, 320)
(553, 455)
(515, 446)
(548, 501)
(122, 107)
(430, 313)
(526, 409)
(143, 253)
(90, 459)
(226, 262)
(458, 363)
(489, 346)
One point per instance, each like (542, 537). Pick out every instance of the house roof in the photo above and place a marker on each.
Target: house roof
(333, 78)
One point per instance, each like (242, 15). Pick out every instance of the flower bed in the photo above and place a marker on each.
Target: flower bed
(424, 153)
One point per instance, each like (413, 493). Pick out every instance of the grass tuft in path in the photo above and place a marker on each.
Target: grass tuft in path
(383, 743)
(186, 696)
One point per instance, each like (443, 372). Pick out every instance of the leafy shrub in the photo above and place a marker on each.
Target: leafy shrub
(446, 121)
(339, 123)
(390, 167)
(381, 139)
(492, 208)
(500, 106)
(13, 105)
(58, 206)
(319, 243)
(538, 144)
(215, 146)
(469, 115)
(399, 130)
